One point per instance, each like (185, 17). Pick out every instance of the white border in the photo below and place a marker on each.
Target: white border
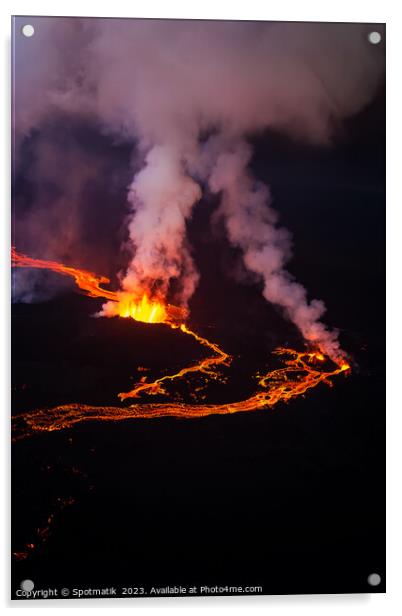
(339, 10)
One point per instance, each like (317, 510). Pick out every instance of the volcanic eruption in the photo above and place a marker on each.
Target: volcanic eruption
(302, 370)
(191, 98)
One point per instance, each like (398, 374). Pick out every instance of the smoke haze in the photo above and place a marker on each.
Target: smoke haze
(191, 96)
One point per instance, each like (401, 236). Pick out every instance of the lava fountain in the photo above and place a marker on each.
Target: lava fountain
(301, 371)
(121, 303)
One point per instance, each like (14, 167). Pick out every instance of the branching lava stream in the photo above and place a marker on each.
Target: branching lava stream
(301, 370)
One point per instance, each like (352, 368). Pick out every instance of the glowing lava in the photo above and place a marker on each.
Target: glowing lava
(85, 280)
(206, 366)
(301, 370)
(121, 303)
(298, 375)
(145, 310)
(129, 305)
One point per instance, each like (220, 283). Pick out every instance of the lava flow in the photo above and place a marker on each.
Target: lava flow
(86, 281)
(301, 371)
(121, 303)
(127, 305)
(207, 366)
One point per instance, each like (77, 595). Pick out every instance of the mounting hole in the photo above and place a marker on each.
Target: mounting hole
(374, 579)
(27, 585)
(374, 38)
(28, 30)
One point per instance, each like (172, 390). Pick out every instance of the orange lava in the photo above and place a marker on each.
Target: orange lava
(85, 280)
(298, 375)
(207, 366)
(144, 310)
(121, 303)
(42, 534)
(301, 371)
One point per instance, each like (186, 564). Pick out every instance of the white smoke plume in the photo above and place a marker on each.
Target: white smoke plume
(162, 196)
(252, 225)
(164, 84)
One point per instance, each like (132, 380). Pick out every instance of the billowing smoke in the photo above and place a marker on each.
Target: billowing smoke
(162, 197)
(252, 226)
(192, 95)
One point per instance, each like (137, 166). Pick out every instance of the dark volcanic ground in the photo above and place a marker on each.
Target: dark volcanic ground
(291, 499)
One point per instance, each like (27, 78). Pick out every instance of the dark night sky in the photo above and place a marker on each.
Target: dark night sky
(288, 498)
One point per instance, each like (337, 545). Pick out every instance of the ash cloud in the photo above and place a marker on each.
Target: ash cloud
(166, 84)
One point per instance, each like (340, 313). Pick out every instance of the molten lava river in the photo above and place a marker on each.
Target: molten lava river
(300, 371)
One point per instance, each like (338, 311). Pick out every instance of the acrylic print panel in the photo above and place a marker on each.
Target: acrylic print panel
(198, 308)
